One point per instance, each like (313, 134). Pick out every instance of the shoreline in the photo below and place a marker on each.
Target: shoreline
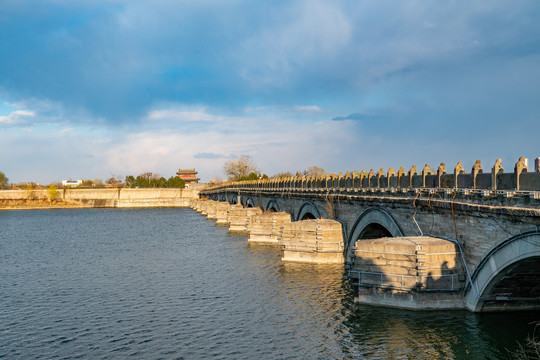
(37, 205)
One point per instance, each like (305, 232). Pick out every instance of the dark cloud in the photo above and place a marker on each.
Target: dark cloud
(115, 60)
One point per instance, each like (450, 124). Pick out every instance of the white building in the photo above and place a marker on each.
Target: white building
(71, 183)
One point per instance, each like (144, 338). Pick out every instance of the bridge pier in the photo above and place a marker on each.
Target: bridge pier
(408, 272)
(222, 213)
(211, 209)
(312, 241)
(196, 205)
(239, 218)
(266, 228)
(201, 208)
(205, 206)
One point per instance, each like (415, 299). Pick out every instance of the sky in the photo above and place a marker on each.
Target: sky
(99, 88)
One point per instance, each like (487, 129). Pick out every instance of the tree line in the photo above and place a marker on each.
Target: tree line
(144, 180)
(149, 180)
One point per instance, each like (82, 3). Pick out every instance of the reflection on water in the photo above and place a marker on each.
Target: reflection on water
(167, 283)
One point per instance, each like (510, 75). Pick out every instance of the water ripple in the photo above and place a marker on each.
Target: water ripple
(168, 284)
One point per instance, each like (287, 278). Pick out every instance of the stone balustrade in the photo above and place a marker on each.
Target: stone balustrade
(519, 179)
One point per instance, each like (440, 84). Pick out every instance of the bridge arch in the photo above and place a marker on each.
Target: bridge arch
(233, 199)
(371, 224)
(308, 211)
(223, 197)
(272, 206)
(248, 203)
(508, 277)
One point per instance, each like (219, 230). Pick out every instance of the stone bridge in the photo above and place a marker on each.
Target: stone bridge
(414, 240)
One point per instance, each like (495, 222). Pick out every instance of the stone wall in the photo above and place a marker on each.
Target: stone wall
(110, 197)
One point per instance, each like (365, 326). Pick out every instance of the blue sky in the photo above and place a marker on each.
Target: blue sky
(90, 89)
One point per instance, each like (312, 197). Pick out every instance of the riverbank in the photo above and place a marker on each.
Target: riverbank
(98, 198)
(37, 204)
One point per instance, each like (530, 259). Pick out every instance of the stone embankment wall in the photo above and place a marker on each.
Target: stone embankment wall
(108, 198)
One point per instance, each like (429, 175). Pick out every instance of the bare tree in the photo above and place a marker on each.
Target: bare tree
(531, 349)
(240, 168)
(314, 171)
(283, 174)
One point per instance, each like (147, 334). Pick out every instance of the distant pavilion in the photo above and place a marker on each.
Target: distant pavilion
(188, 175)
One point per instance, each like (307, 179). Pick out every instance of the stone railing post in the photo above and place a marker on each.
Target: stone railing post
(496, 170)
(425, 171)
(390, 175)
(379, 174)
(362, 176)
(476, 169)
(520, 167)
(458, 169)
(412, 172)
(369, 176)
(339, 179)
(441, 170)
(354, 181)
(400, 174)
(328, 181)
(348, 180)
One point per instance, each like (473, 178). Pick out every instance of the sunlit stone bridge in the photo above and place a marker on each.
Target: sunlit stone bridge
(419, 240)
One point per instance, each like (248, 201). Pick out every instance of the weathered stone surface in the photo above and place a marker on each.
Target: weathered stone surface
(266, 227)
(421, 262)
(110, 198)
(239, 218)
(211, 209)
(222, 212)
(313, 241)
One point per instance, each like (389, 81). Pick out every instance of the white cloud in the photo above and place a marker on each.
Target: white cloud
(180, 115)
(263, 138)
(313, 108)
(16, 117)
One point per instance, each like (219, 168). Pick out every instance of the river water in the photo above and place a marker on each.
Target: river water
(169, 284)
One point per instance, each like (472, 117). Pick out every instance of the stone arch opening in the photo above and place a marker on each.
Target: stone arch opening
(234, 200)
(373, 223)
(308, 211)
(508, 277)
(374, 231)
(249, 203)
(308, 216)
(272, 206)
